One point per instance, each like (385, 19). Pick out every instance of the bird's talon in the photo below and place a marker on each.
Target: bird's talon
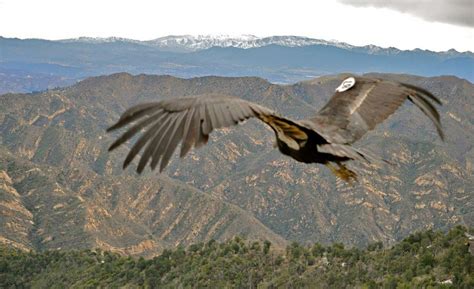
(343, 172)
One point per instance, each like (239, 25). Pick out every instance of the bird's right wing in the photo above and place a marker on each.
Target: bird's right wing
(188, 120)
(360, 103)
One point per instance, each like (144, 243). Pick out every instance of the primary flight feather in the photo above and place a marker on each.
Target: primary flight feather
(357, 106)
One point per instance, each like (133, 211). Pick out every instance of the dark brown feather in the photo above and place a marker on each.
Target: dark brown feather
(133, 113)
(166, 138)
(350, 114)
(142, 141)
(171, 145)
(156, 139)
(188, 132)
(132, 131)
(187, 120)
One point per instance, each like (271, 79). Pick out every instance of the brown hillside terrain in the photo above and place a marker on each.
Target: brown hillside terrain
(60, 188)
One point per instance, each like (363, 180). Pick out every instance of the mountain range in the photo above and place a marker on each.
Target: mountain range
(60, 188)
(186, 43)
(34, 64)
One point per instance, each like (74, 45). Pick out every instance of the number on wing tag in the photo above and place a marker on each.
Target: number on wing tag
(346, 84)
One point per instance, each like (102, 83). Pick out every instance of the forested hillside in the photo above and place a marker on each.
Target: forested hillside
(423, 260)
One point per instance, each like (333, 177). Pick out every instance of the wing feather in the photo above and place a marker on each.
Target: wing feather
(349, 114)
(428, 109)
(239, 112)
(206, 126)
(136, 128)
(133, 113)
(171, 145)
(224, 115)
(220, 119)
(165, 137)
(142, 141)
(212, 113)
(188, 120)
(234, 114)
(155, 141)
(188, 134)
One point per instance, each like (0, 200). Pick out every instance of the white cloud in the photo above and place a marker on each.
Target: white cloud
(141, 19)
(458, 12)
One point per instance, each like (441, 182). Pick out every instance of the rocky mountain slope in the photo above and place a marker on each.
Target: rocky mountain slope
(60, 188)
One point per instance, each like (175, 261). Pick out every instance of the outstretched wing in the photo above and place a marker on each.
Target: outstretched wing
(188, 120)
(359, 104)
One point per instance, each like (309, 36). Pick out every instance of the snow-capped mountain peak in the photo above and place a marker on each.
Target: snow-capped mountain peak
(190, 43)
(99, 40)
(200, 42)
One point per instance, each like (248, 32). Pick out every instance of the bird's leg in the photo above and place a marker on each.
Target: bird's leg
(348, 175)
(342, 172)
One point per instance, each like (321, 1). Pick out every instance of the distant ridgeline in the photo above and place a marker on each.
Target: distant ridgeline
(423, 260)
(41, 64)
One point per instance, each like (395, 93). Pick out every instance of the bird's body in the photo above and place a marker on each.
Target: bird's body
(301, 147)
(357, 106)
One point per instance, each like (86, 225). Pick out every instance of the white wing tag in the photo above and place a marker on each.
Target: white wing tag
(346, 84)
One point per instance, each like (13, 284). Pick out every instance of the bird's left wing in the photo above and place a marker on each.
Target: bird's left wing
(360, 103)
(188, 120)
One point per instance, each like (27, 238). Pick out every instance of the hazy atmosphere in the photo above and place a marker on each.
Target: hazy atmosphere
(429, 24)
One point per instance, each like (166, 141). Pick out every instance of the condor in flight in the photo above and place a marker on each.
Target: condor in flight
(357, 106)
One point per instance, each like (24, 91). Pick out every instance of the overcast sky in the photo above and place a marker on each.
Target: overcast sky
(427, 24)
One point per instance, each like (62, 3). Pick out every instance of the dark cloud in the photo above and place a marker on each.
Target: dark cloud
(459, 12)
